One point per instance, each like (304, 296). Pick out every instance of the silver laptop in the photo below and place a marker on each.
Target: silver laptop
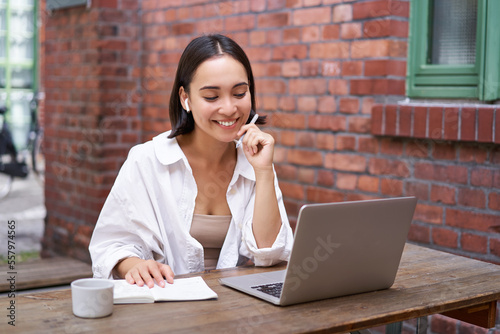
(339, 249)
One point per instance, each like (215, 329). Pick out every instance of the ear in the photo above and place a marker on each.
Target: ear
(184, 98)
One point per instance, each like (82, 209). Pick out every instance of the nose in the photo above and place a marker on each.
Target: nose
(228, 107)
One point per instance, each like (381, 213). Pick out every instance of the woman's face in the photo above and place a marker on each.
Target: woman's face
(219, 98)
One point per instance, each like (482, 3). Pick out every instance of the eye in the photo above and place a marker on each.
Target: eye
(240, 95)
(210, 98)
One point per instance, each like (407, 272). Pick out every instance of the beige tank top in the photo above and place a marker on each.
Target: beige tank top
(210, 231)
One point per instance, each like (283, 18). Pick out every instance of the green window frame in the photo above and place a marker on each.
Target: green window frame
(18, 63)
(478, 81)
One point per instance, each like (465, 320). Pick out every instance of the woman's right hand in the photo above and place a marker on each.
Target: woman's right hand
(140, 272)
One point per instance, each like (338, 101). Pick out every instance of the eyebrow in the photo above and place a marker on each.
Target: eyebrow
(217, 87)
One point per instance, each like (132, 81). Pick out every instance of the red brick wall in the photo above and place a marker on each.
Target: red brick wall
(329, 74)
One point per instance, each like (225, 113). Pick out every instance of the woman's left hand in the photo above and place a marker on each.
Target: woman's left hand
(258, 146)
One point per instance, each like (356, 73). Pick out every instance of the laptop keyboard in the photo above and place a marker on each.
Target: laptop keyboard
(273, 289)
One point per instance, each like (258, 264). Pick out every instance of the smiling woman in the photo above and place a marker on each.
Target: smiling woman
(190, 199)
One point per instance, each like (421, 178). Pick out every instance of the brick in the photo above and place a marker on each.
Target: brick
(472, 154)
(244, 22)
(359, 124)
(310, 34)
(368, 183)
(325, 178)
(405, 114)
(370, 49)
(351, 30)
(445, 237)
(443, 194)
(349, 105)
(419, 233)
(367, 145)
(338, 87)
(451, 116)
(307, 103)
(494, 201)
(435, 130)
(485, 125)
(346, 143)
(291, 69)
(286, 103)
(444, 151)
(309, 68)
(291, 35)
(306, 175)
(292, 190)
(495, 247)
(417, 189)
(342, 13)
(345, 162)
(331, 31)
(420, 122)
(302, 17)
(381, 8)
(472, 197)
(305, 157)
(474, 243)
(321, 195)
(429, 213)
(497, 127)
(338, 50)
(277, 4)
(327, 104)
(331, 68)
(470, 220)
(327, 122)
(346, 181)
(391, 116)
(468, 124)
(377, 120)
(289, 52)
(271, 86)
(352, 68)
(443, 173)
(325, 141)
(380, 166)
(481, 177)
(273, 20)
(307, 86)
(288, 121)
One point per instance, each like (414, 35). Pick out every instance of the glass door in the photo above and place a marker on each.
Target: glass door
(18, 59)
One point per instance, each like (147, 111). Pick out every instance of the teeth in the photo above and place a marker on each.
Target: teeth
(226, 123)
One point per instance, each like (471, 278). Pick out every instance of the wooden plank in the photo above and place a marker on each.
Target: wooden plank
(44, 273)
(480, 315)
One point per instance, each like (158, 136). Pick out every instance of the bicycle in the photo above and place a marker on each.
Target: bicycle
(12, 164)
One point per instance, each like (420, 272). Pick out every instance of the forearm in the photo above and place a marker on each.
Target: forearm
(266, 218)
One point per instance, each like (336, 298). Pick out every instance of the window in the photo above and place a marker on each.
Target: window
(18, 63)
(454, 49)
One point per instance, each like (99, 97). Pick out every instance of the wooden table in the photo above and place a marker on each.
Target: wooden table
(428, 282)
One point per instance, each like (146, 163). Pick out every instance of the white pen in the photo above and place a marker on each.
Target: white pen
(254, 119)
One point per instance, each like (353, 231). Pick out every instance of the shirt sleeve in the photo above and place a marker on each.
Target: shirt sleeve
(119, 233)
(282, 246)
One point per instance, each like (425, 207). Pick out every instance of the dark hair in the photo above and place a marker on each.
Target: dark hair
(199, 50)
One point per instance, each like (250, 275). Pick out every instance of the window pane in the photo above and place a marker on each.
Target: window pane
(22, 21)
(3, 77)
(21, 48)
(3, 19)
(454, 32)
(3, 46)
(20, 118)
(21, 78)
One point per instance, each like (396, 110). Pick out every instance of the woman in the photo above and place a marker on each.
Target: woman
(190, 200)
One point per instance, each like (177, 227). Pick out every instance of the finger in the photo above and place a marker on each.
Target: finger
(168, 273)
(136, 277)
(157, 275)
(129, 278)
(146, 276)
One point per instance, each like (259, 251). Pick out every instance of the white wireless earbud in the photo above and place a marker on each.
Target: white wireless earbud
(187, 105)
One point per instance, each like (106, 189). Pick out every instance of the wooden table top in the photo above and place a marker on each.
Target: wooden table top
(428, 282)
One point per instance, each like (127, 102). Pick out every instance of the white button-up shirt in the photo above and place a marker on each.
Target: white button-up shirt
(149, 211)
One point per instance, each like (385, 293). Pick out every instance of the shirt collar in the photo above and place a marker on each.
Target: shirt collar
(168, 151)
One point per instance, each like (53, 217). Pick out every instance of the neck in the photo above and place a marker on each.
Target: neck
(203, 149)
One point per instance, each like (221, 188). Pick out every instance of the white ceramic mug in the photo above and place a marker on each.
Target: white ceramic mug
(92, 297)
